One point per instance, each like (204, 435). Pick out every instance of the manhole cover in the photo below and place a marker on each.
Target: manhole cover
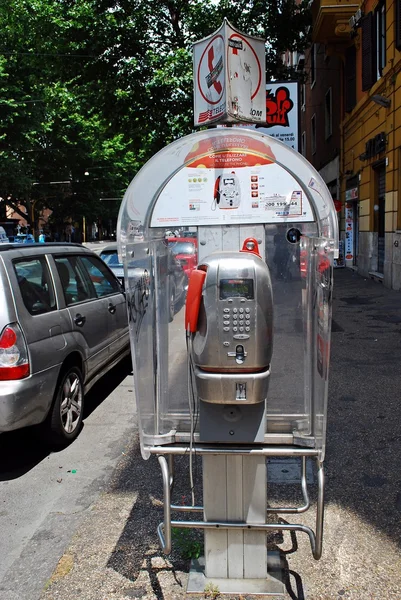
(287, 470)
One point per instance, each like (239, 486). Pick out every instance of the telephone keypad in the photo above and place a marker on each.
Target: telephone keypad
(241, 323)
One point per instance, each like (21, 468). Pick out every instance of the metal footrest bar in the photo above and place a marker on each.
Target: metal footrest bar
(315, 538)
(283, 451)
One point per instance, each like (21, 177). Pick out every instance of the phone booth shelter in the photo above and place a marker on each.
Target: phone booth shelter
(228, 238)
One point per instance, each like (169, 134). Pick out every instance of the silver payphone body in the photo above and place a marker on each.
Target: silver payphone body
(232, 343)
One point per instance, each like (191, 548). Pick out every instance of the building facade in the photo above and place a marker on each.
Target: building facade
(366, 39)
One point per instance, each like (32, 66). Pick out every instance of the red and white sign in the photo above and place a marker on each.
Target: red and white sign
(229, 78)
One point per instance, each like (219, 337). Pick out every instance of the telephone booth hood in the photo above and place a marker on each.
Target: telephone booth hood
(215, 189)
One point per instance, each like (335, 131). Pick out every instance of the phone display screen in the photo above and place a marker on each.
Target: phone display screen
(236, 288)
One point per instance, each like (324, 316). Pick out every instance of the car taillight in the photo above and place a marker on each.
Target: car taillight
(14, 361)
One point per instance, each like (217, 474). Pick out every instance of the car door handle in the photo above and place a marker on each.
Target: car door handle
(111, 308)
(79, 320)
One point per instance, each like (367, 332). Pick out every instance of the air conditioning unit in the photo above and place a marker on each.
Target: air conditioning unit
(358, 15)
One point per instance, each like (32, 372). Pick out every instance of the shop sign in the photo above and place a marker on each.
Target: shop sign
(282, 110)
(351, 194)
(349, 231)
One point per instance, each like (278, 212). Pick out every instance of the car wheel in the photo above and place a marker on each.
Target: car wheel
(171, 304)
(67, 411)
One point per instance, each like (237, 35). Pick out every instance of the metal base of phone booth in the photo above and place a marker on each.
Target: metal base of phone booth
(235, 523)
(272, 585)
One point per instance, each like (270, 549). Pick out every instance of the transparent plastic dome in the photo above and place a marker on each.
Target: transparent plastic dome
(206, 193)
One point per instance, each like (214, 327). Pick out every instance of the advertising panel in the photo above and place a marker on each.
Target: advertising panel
(231, 180)
(229, 78)
(282, 112)
(349, 232)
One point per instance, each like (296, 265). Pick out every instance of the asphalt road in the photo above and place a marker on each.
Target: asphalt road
(44, 495)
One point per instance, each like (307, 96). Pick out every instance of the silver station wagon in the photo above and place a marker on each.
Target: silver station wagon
(63, 325)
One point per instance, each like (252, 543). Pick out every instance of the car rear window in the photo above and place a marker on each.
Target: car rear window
(110, 257)
(182, 248)
(35, 284)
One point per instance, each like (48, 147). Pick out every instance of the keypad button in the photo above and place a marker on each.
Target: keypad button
(243, 300)
(241, 329)
(226, 328)
(235, 310)
(247, 322)
(241, 322)
(226, 322)
(235, 328)
(248, 310)
(247, 329)
(241, 310)
(226, 310)
(235, 322)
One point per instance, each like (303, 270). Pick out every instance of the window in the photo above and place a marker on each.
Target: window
(380, 14)
(103, 281)
(313, 55)
(328, 114)
(397, 5)
(35, 285)
(74, 280)
(373, 45)
(313, 134)
(303, 96)
(350, 78)
(303, 143)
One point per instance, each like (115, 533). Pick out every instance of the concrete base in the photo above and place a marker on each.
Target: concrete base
(273, 585)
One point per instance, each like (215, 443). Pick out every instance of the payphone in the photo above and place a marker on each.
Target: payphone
(229, 318)
(240, 373)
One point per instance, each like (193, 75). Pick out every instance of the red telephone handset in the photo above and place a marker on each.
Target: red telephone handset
(216, 193)
(194, 297)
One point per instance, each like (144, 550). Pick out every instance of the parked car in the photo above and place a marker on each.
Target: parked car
(24, 238)
(63, 325)
(3, 236)
(177, 277)
(186, 251)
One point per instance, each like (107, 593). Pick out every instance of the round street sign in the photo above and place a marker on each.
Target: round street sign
(210, 76)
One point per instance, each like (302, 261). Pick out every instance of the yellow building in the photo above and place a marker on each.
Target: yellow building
(367, 36)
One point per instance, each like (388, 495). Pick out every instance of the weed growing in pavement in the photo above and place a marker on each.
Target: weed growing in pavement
(186, 542)
(211, 591)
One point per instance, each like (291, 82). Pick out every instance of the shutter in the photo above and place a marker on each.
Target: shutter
(368, 51)
(350, 78)
(397, 5)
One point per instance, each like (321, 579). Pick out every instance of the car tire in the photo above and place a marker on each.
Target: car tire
(66, 414)
(171, 303)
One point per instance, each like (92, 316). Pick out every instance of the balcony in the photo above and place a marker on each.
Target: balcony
(331, 20)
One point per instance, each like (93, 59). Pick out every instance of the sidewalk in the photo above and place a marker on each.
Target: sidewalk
(115, 554)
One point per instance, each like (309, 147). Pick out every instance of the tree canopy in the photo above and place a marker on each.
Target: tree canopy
(90, 89)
